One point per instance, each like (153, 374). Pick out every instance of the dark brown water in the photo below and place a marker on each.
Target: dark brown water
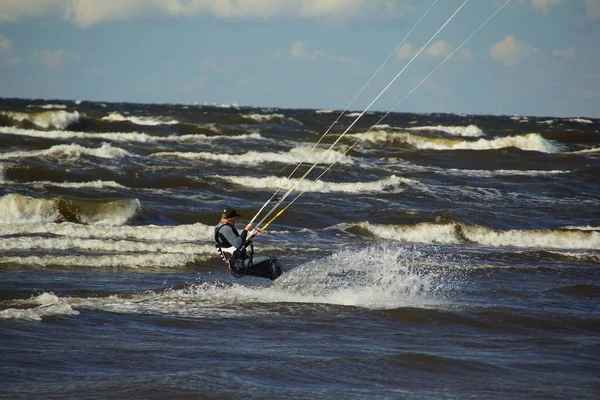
(444, 256)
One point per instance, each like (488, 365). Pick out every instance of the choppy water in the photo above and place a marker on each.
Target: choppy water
(443, 256)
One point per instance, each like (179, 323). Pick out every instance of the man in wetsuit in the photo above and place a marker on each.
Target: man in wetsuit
(238, 251)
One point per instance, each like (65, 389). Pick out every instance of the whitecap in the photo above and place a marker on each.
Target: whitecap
(58, 119)
(392, 184)
(294, 156)
(467, 131)
(147, 121)
(528, 142)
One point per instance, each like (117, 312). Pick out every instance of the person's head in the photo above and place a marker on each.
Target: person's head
(230, 214)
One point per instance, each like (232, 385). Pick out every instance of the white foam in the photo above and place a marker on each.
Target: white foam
(147, 121)
(393, 184)
(123, 211)
(467, 131)
(547, 122)
(53, 106)
(529, 142)
(382, 277)
(324, 111)
(263, 117)
(58, 119)
(222, 105)
(480, 173)
(583, 228)
(353, 114)
(382, 127)
(453, 233)
(15, 208)
(421, 233)
(294, 156)
(586, 151)
(581, 120)
(125, 136)
(73, 151)
(132, 261)
(80, 185)
(563, 239)
(104, 245)
(154, 233)
(585, 257)
(49, 305)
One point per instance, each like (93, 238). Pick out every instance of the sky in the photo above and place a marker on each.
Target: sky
(535, 57)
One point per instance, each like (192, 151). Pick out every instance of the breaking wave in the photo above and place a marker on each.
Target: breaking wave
(294, 156)
(34, 309)
(149, 261)
(458, 233)
(581, 120)
(70, 151)
(155, 233)
(98, 184)
(587, 151)
(148, 121)
(51, 106)
(264, 117)
(58, 119)
(121, 136)
(16, 208)
(381, 277)
(122, 246)
(528, 142)
(467, 131)
(269, 118)
(393, 184)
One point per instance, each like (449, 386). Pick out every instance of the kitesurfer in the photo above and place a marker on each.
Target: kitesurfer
(237, 249)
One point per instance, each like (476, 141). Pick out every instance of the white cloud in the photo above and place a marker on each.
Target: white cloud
(405, 51)
(441, 48)
(510, 51)
(544, 5)
(15, 10)
(567, 53)
(299, 49)
(55, 59)
(4, 44)
(592, 9)
(86, 13)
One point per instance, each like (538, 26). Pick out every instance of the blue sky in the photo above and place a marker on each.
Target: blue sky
(536, 57)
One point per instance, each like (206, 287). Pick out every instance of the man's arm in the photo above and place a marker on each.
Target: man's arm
(235, 240)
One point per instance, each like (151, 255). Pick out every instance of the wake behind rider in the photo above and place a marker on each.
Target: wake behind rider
(238, 253)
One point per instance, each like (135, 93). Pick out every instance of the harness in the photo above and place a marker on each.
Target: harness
(234, 258)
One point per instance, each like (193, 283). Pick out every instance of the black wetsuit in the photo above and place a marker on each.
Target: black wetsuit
(242, 261)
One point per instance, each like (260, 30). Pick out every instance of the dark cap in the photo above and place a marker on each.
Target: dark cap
(230, 213)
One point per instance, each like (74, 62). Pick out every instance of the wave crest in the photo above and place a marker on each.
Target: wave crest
(393, 184)
(71, 151)
(147, 121)
(58, 119)
(458, 233)
(528, 142)
(16, 208)
(294, 156)
(467, 131)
